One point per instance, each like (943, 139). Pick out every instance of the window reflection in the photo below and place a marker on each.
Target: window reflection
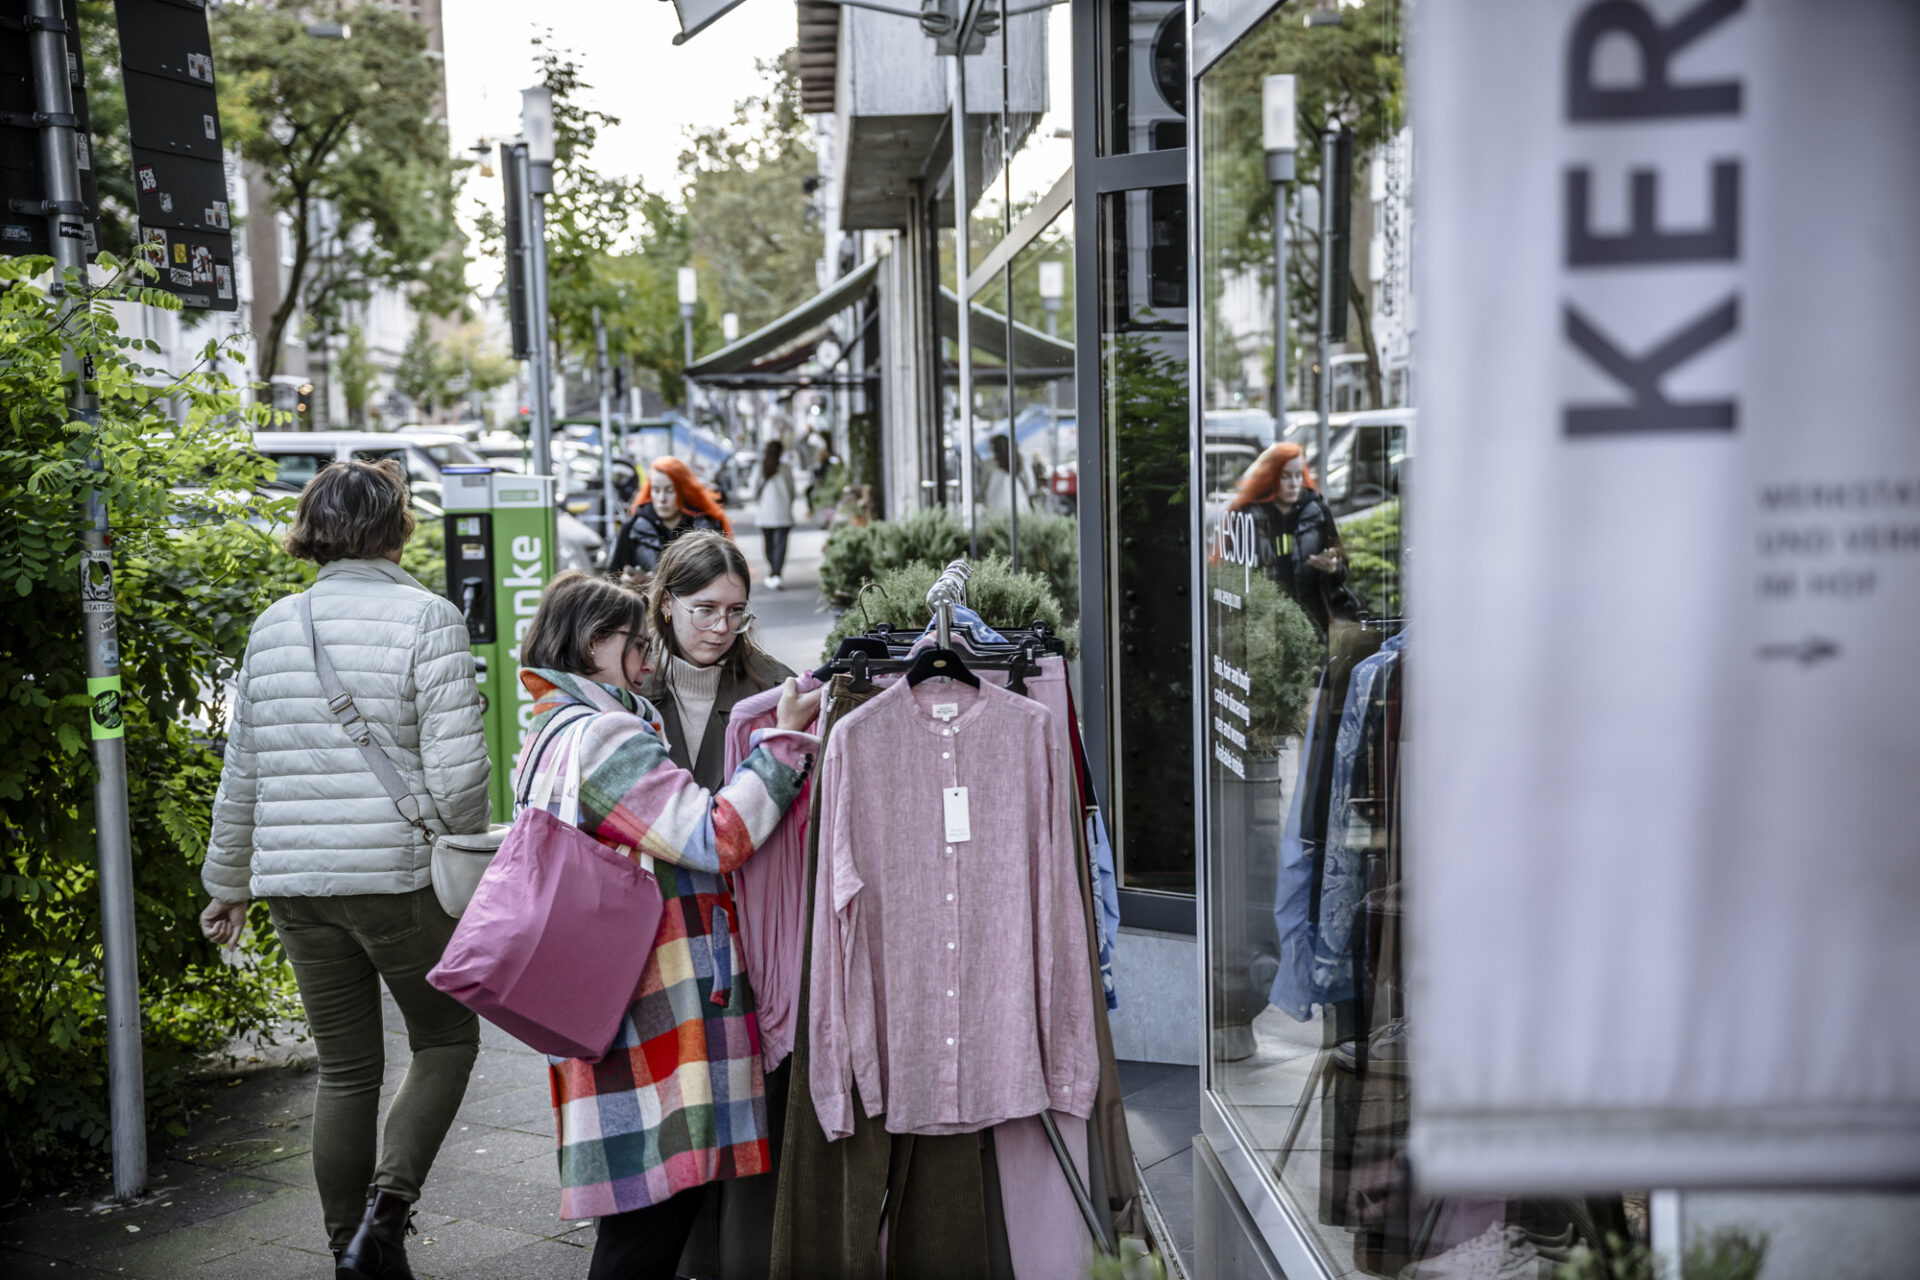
(1145, 98)
(1308, 654)
(1040, 286)
(1144, 397)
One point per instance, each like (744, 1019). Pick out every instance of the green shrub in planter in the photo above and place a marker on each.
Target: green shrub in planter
(1274, 641)
(848, 560)
(1002, 597)
(1049, 546)
(933, 536)
(1372, 541)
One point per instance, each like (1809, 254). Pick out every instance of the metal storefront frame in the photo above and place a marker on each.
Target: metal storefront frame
(1280, 1224)
(1095, 177)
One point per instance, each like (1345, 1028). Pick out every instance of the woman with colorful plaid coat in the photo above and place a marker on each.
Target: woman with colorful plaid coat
(679, 1100)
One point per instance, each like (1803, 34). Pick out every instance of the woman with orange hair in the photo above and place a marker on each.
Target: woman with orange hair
(671, 502)
(1298, 540)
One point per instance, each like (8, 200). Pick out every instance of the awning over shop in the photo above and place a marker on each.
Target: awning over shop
(1033, 351)
(832, 300)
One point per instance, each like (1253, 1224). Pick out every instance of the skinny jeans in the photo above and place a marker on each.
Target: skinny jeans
(773, 541)
(341, 949)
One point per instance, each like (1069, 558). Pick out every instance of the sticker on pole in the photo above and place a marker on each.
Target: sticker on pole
(96, 582)
(105, 711)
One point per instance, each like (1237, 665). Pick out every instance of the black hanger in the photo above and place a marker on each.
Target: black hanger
(1023, 665)
(862, 683)
(872, 646)
(940, 662)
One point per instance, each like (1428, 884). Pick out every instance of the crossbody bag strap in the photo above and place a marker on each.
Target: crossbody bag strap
(359, 732)
(531, 790)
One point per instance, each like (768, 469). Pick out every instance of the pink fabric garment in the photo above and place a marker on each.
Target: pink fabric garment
(949, 978)
(1045, 1232)
(770, 893)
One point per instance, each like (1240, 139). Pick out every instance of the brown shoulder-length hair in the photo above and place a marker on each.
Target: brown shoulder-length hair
(689, 563)
(352, 511)
(576, 612)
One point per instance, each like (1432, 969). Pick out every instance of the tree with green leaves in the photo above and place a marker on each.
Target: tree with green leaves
(193, 567)
(1351, 73)
(348, 136)
(435, 374)
(421, 374)
(357, 375)
(752, 229)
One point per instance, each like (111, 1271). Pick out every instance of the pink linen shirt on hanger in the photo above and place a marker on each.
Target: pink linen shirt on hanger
(770, 893)
(950, 977)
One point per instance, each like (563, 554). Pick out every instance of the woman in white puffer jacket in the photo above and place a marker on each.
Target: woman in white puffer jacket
(301, 821)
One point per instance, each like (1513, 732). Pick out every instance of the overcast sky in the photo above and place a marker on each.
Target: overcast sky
(625, 51)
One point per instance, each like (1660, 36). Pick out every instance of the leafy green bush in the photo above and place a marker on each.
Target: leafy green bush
(425, 555)
(192, 571)
(999, 595)
(1274, 641)
(933, 536)
(858, 554)
(1372, 541)
(1727, 1254)
(1049, 546)
(848, 560)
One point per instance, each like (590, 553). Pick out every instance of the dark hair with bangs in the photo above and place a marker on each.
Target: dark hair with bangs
(352, 511)
(576, 612)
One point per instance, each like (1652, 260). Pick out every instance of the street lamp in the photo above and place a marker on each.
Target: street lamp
(689, 296)
(536, 129)
(536, 126)
(730, 327)
(1053, 290)
(1279, 136)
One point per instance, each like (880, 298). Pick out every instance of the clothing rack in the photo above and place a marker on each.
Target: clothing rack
(949, 591)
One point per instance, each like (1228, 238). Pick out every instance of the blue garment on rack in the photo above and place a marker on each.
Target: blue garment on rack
(1343, 868)
(1106, 900)
(967, 621)
(1292, 991)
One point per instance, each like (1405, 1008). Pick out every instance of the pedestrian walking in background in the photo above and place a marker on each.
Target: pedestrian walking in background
(773, 500)
(678, 1101)
(1298, 540)
(671, 502)
(1005, 484)
(301, 821)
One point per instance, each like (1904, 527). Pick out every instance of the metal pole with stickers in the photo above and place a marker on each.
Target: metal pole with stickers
(500, 558)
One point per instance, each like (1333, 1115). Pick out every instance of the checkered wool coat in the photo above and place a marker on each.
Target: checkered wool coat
(679, 1099)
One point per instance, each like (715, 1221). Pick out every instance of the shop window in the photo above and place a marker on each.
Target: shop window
(1144, 398)
(1307, 651)
(1144, 98)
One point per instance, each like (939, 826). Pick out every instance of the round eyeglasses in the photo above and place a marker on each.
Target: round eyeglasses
(707, 617)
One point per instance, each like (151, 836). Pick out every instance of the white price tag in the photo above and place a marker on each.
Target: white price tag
(959, 823)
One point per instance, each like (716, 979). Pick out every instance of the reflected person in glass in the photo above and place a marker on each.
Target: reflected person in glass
(1298, 539)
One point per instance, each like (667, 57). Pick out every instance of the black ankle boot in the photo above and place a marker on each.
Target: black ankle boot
(378, 1250)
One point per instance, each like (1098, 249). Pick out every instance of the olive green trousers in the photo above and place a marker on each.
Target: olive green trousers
(342, 949)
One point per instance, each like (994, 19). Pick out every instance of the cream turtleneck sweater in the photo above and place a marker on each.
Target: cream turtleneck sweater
(694, 689)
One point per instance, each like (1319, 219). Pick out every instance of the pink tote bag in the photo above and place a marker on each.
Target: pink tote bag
(551, 948)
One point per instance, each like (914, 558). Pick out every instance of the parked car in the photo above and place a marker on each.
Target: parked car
(1226, 462)
(299, 455)
(502, 450)
(1366, 466)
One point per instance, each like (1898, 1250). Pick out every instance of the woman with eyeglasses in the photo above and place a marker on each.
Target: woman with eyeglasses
(676, 1107)
(706, 661)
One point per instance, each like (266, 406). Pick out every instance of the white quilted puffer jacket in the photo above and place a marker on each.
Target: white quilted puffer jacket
(298, 813)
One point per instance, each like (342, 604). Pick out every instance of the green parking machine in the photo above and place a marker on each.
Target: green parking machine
(500, 558)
